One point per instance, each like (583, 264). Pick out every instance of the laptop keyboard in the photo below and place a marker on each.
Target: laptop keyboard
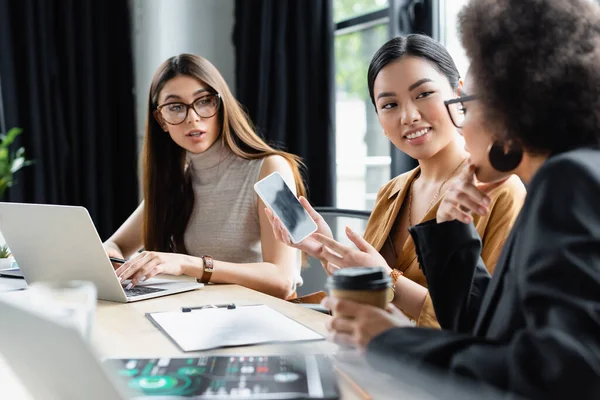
(140, 290)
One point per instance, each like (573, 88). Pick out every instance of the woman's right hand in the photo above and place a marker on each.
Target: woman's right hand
(113, 252)
(309, 245)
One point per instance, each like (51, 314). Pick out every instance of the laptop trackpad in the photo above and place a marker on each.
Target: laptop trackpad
(158, 282)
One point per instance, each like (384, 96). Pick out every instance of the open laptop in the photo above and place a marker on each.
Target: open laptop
(53, 362)
(51, 242)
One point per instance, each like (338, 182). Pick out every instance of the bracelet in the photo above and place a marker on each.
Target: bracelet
(395, 275)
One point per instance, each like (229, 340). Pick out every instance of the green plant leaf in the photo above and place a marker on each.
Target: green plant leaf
(10, 162)
(21, 154)
(4, 251)
(4, 184)
(17, 164)
(10, 137)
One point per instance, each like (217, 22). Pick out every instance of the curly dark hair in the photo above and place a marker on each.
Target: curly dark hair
(537, 64)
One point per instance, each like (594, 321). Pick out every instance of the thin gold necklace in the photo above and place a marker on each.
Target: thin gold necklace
(437, 193)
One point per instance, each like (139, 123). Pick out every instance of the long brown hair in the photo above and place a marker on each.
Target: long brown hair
(168, 194)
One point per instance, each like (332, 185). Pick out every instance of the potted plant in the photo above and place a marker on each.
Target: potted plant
(10, 162)
(6, 259)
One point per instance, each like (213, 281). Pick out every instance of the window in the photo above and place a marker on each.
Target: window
(365, 158)
(449, 10)
(363, 152)
(346, 9)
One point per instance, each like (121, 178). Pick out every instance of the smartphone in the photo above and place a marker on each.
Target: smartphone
(276, 195)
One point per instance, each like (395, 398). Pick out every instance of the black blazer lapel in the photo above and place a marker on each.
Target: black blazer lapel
(501, 268)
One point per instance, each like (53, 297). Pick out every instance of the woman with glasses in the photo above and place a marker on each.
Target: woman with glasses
(534, 327)
(200, 215)
(409, 78)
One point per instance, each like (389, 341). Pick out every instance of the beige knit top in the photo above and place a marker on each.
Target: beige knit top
(224, 222)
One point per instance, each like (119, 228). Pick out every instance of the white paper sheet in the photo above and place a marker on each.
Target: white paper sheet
(220, 327)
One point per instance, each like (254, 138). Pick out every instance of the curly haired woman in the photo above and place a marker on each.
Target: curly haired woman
(534, 327)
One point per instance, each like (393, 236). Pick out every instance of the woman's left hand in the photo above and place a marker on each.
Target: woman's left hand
(465, 196)
(339, 256)
(355, 324)
(148, 264)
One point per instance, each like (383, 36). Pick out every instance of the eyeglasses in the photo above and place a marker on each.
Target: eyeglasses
(457, 109)
(175, 113)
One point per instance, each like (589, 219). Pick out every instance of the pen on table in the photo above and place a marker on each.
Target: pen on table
(229, 306)
(117, 260)
(363, 394)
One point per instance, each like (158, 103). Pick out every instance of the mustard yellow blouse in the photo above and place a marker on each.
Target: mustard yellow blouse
(493, 229)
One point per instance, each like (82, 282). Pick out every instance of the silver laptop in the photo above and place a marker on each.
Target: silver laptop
(51, 360)
(52, 242)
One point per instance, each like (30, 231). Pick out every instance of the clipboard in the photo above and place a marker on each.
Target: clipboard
(210, 328)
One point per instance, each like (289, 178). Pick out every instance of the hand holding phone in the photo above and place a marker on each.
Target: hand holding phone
(309, 245)
(278, 197)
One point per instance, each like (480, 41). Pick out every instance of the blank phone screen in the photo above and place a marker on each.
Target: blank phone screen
(278, 197)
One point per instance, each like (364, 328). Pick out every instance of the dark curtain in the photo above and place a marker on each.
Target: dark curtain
(285, 79)
(66, 71)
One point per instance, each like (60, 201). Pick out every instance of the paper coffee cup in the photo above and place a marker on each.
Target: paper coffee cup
(365, 285)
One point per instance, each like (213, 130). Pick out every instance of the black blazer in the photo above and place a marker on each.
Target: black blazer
(534, 328)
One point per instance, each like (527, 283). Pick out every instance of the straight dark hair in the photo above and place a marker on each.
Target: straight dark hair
(415, 45)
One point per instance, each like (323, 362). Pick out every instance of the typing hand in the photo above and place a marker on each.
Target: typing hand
(149, 264)
(309, 245)
(465, 196)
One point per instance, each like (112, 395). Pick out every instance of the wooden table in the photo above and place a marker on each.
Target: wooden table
(122, 330)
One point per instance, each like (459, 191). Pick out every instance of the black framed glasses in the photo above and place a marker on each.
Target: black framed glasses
(457, 110)
(176, 112)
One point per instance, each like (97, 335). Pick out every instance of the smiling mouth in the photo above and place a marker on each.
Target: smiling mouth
(195, 134)
(417, 134)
